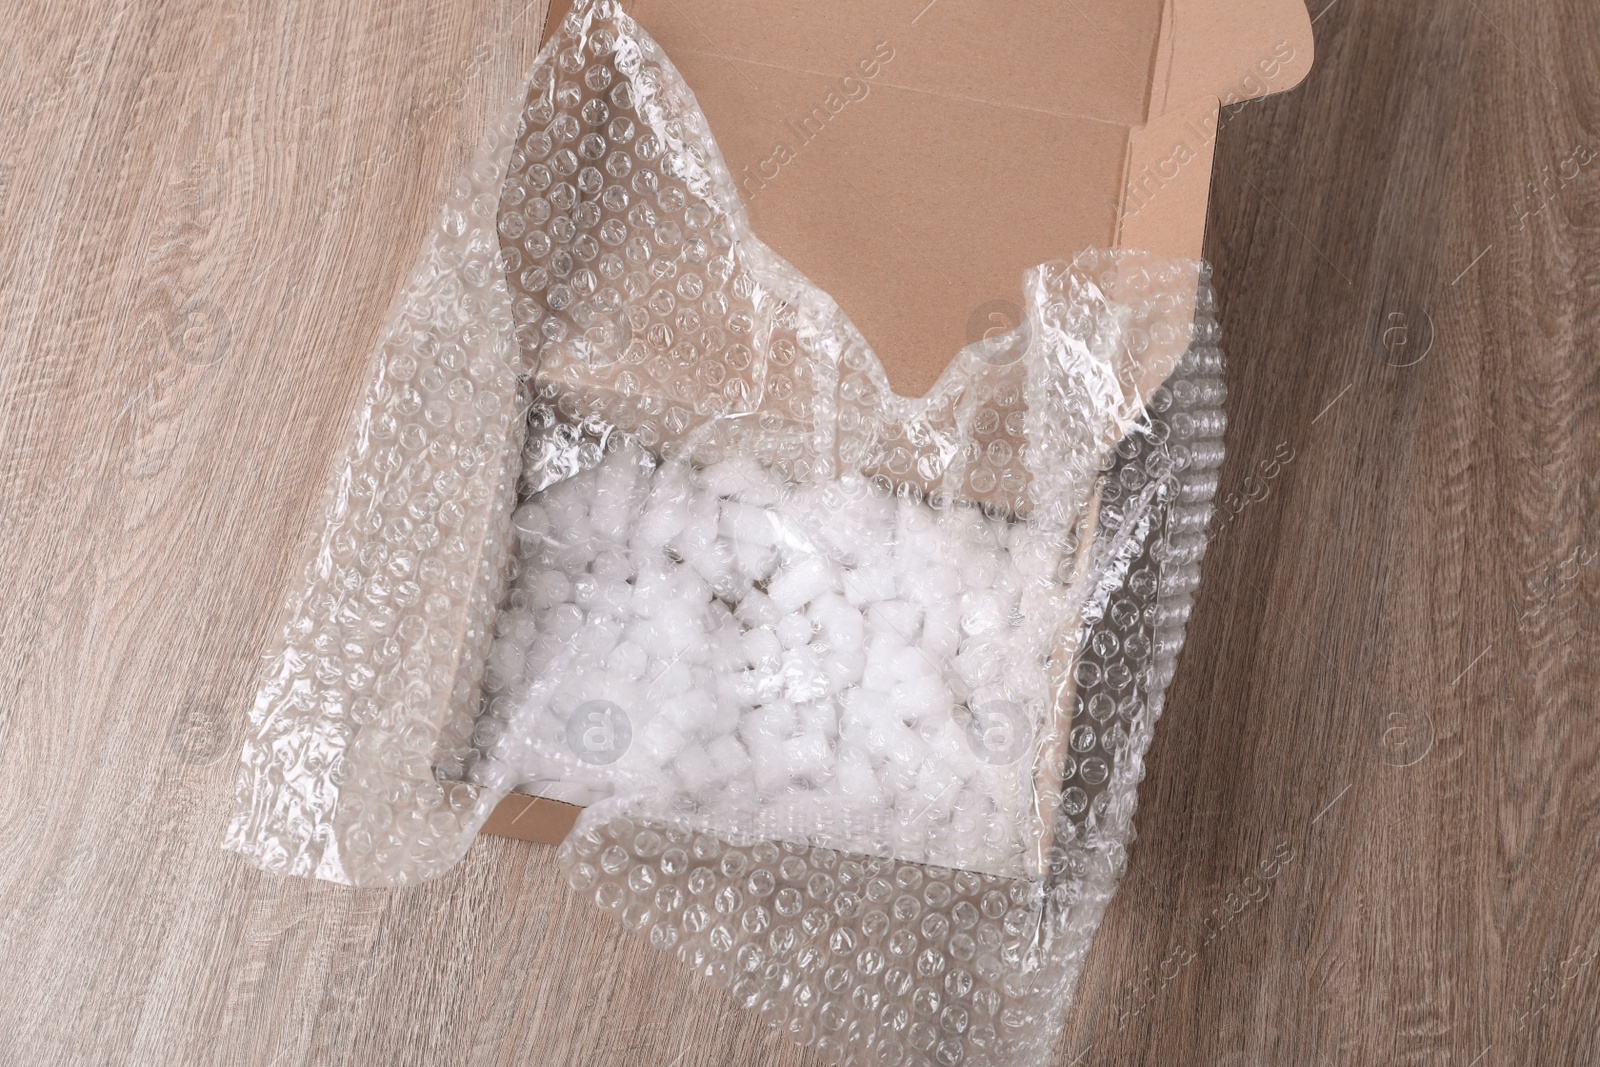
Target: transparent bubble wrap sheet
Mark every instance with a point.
(855, 687)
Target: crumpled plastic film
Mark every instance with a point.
(855, 687)
(877, 959)
(375, 683)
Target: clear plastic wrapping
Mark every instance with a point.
(855, 687)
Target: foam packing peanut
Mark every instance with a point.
(805, 658)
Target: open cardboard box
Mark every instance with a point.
(914, 158)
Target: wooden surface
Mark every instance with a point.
(1390, 674)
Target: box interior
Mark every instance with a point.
(914, 159)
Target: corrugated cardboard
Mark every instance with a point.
(915, 158)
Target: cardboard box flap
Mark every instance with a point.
(914, 159)
(1129, 61)
(1233, 50)
(1093, 61)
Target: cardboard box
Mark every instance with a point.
(915, 158)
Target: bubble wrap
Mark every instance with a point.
(855, 687)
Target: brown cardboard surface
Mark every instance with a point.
(531, 819)
(914, 159)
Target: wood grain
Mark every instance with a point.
(1390, 673)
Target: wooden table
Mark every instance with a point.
(1390, 676)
